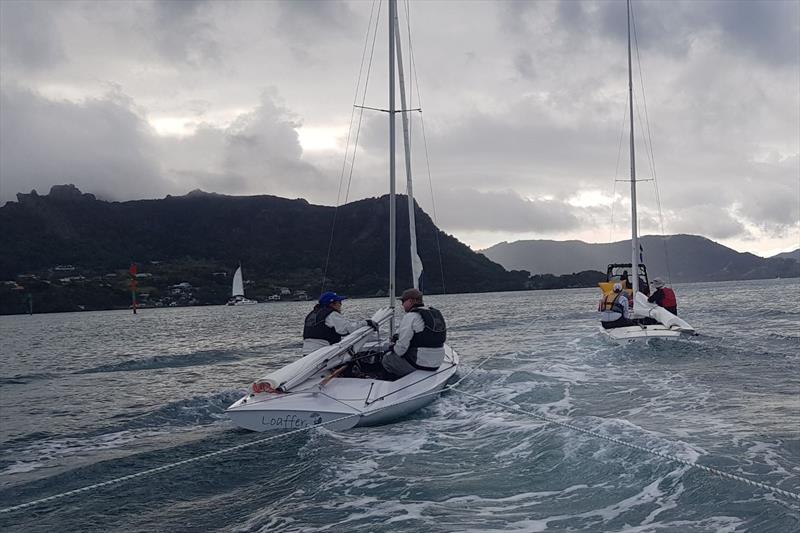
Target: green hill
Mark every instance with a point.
(280, 242)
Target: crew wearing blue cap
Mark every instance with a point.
(325, 325)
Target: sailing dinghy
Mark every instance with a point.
(317, 389)
(651, 321)
(237, 290)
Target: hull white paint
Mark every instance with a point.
(243, 301)
(358, 402)
(643, 333)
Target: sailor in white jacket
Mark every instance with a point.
(420, 338)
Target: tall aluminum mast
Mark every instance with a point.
(634, 224)
(392, 213)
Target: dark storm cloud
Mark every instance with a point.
(772, 35)
(309, 28)
(101, 145)
(528, 97)
(260, 151)
(513, 15)
(312, 21)
(774, 196)
(183, 33)
(104, 146)
(29, 36)
(717, 222)
(768, 31)
(523, 62)
(468, 209)
(660, 26)
(264, 145)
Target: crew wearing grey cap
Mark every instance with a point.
(664, 296)
(420, 338)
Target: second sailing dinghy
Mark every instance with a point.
(648, 321)
(316, 389)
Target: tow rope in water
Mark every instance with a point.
(707, 469)
(672, 458)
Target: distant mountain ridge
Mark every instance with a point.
(277, 239)
(690, 258)
(794, 254)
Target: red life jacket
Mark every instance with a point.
(669, 298)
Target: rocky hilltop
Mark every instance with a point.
(197, 238)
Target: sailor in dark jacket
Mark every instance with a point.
(420, 338)
(325, 325)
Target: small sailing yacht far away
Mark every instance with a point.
(237, 291)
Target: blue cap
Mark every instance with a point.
(329, 297)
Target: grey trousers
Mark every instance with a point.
(396, 365)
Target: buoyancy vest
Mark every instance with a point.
(433, 336)
(669, 299)
(315, 328)
(611, 303)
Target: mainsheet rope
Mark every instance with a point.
(510, 407)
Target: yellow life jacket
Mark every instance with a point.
(611, 303)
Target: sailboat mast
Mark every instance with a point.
(634, 224)
(416, 263)
(392, 213)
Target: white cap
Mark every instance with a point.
(617, 287)
(658, 283)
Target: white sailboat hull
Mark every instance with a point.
(670, 327)
(241, 301)
(643, 333)
(351, 401)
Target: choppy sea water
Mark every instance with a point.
(88, 397)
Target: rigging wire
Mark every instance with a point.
(415, 78)
(649, 150)
(361, 114)
(350, 130)
(616, 170)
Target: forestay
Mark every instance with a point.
(328, 357)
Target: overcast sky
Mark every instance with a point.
(524, 106)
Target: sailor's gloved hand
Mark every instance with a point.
(394, 338)
(374, 325)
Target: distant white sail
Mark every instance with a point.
(238, 285)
